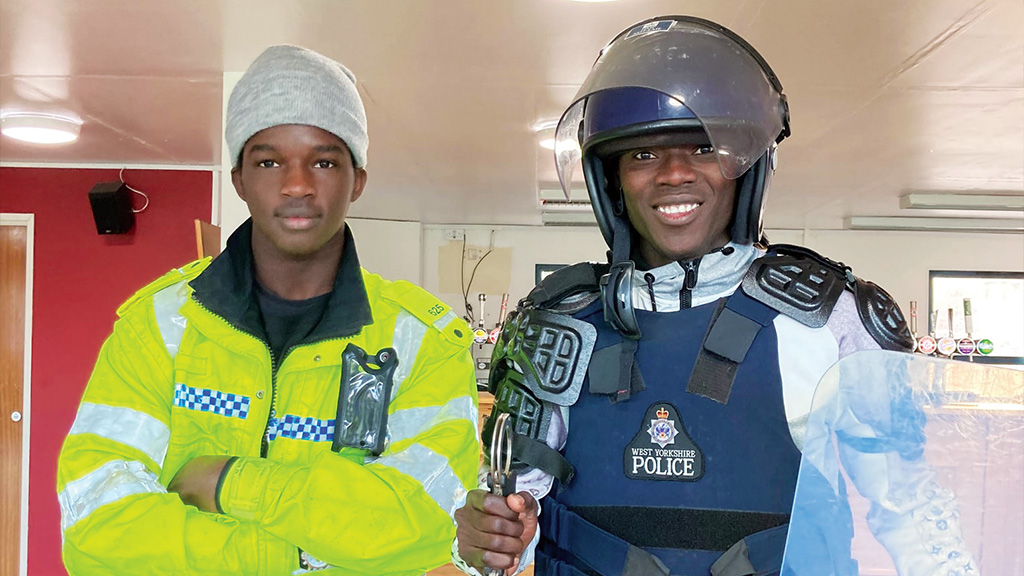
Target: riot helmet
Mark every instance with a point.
(674, 80)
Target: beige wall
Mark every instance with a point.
(530, 245)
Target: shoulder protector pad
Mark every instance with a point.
(568, 289)
(551, 350)
(882, 317)
(530, 419)
(797, 282)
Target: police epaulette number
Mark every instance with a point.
(429, 310)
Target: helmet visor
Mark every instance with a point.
(707, 71)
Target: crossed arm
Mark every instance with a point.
(124, 513)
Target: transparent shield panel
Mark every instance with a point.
(911, 465)
(567, 146)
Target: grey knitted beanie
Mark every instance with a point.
(293, 85)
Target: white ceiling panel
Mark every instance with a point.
(886, 97)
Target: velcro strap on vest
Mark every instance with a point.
(613, 371)
(601, 551)
(734, 326)
(714, 530)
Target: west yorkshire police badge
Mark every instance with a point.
(662, 450)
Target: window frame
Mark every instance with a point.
(540, 271)
(969, 274)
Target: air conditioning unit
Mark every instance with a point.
(568, 218)
(578, 198)
(555, 210)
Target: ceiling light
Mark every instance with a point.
(935, 224)
(954, 201)
(543, 125)
(40, 128)
(593, 0)
(546, 131)
(993, 406)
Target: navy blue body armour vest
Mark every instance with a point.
(680, 475)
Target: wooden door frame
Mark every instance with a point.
(27, 221)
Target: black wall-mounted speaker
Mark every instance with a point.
(112, 208)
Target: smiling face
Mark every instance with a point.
(298, 182)
(677, 200)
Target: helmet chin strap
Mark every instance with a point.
(621, 236)
(617, 302)
(617, 284)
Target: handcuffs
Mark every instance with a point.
(501, 479)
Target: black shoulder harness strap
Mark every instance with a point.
(801, 284)
(565, 282)
(789, 280)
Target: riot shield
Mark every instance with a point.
(911, 465)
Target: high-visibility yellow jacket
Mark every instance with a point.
(175, 381)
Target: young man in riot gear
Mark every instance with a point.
(659, 401)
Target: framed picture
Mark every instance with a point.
(542, 271)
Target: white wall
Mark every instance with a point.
(391, 249)
(897, 261)
(232, 211)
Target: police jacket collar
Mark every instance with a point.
(719, 273)
(227, 288)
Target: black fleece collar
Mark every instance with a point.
(227, 288)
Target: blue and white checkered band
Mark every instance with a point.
(203, 400)
(301, 428)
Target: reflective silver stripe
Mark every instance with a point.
(130, 427)
(432, 471)
(405, 424)
(409, 333)
(443, 321)
(107, 484)
(166, 306)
